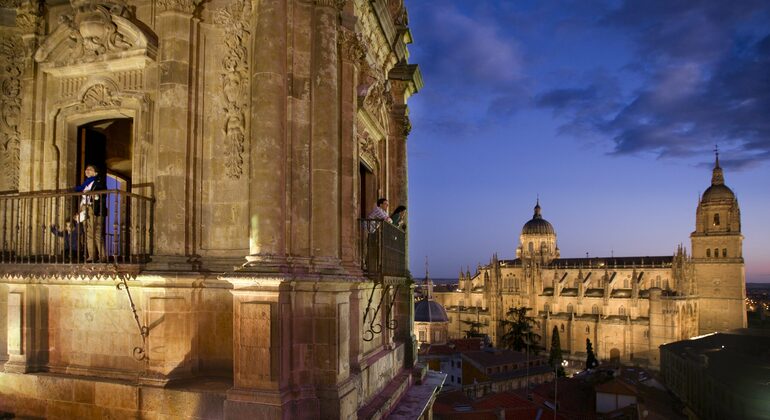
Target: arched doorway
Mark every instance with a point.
(614, 355)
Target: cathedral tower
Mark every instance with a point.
(717, 252)
(538, 239)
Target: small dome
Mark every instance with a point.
(538, 225)
(429, 311)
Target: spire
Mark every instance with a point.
(718, 177)
(428, 282)
(537, 209)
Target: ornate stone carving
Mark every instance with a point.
(337, 4)
(351, 46)
(99, 96)
(235, 81)
(186, 6)
(28, 16)
(367, 146)
(98, 31)
(379, 97)
(12, 54)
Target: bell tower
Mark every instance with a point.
(717, 252)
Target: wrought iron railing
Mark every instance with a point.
(74, 227)
(382, 247)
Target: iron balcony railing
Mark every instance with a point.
(73, 227)
(382, 249)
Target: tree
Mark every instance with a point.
(554, 356)
(591, 361)
(518, 334)
(473, 329)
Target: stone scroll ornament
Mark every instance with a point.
(11, 66)
(92, 31)
(235, 81)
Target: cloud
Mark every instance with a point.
(704, 71)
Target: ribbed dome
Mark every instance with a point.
(538, 225)
(429, 311)
(718, 193)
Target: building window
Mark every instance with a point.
(588, 330)
(621, 311)
(708, 252)
(724, 252)
(716, 219)
(716, 252)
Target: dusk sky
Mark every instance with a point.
(608, 110)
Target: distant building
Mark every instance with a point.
(491, 370)
(447, 358)
(430, 318)
(721, 375)
(626, 306)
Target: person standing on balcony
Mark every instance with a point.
(398, 217)
(380, 212)
(93, 208)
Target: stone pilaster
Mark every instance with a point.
(173, 209)
(351, 53)
(27, 328)
(325, 141)
(267, 183)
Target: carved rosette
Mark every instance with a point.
(235, 81)
(185, 6)
(12, 54)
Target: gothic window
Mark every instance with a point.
(588, 330)
(716, 252)
(621, 311)
(595, 309)
(716, 219)
(570, 309)
(724, 252)
(562, 328)
(708, 252)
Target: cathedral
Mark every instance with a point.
(214, 261)
(626, 306)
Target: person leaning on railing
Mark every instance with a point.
(91, 212)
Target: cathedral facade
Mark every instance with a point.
(626, 306)
(228, 273)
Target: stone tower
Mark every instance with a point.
(717, 253)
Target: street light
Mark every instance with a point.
(556, 387)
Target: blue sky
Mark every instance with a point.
(608, 110)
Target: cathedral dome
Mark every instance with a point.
(718, 191)
(429, 311)
(538, 225)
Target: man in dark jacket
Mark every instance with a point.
(93, 208)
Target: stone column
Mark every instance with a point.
(173, 212)
(325, 141)
(267, 183)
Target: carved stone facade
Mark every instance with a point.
(255, 135)
(626, 306)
